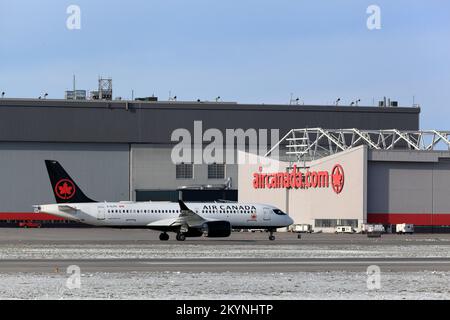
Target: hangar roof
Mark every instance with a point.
(314, 143)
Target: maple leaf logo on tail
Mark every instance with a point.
(337, 178)
(65, 189)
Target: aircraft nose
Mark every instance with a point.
(290, 220)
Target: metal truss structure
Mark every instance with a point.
(313, 143)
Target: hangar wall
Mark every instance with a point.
(275, 197)
(153, 169)
(306, 206)
(101, 170)
(414, 191)
(310, 205)
(153, 122)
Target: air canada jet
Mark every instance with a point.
(213, 220)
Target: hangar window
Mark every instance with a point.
(185, 171)
(216, 171)
(349, 222)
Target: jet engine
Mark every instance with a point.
(217, 229)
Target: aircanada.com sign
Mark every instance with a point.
(296, 179)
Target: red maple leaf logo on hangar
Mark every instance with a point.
(337, 178)
(65, 189)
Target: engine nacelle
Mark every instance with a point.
(193, 232)
(217, 229)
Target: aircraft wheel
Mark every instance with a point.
(271, 238)
(181, 237)
(163, 236)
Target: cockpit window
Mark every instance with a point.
(279, 212)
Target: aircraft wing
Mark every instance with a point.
(165, 223)
(186, 218)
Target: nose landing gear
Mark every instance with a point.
(271, 236)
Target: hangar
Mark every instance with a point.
(120, 150)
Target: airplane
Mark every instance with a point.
(210, 219)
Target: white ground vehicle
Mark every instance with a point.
(370, 227)
(302, 228)
(404, 228)
(344, 229)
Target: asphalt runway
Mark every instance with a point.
(90, 240)
(224, 265)
(141, 236)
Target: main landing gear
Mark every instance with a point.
(163, 236)
(271, 236)
(181, 236)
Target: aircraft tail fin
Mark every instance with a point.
(64, 187)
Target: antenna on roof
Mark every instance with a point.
(174, 98)
(3, 94)
(294, 101)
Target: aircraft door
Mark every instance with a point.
(101, 213)
(267, 214)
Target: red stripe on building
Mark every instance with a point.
(28, 216)
(419, 219)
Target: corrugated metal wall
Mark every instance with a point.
(101, 170)
(111, 122)
(414, 191)
(153, 169)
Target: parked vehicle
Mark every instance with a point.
(370, 228)
(344, 229)
(403, 228)
(302, 228)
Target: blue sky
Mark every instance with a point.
(250, 51)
